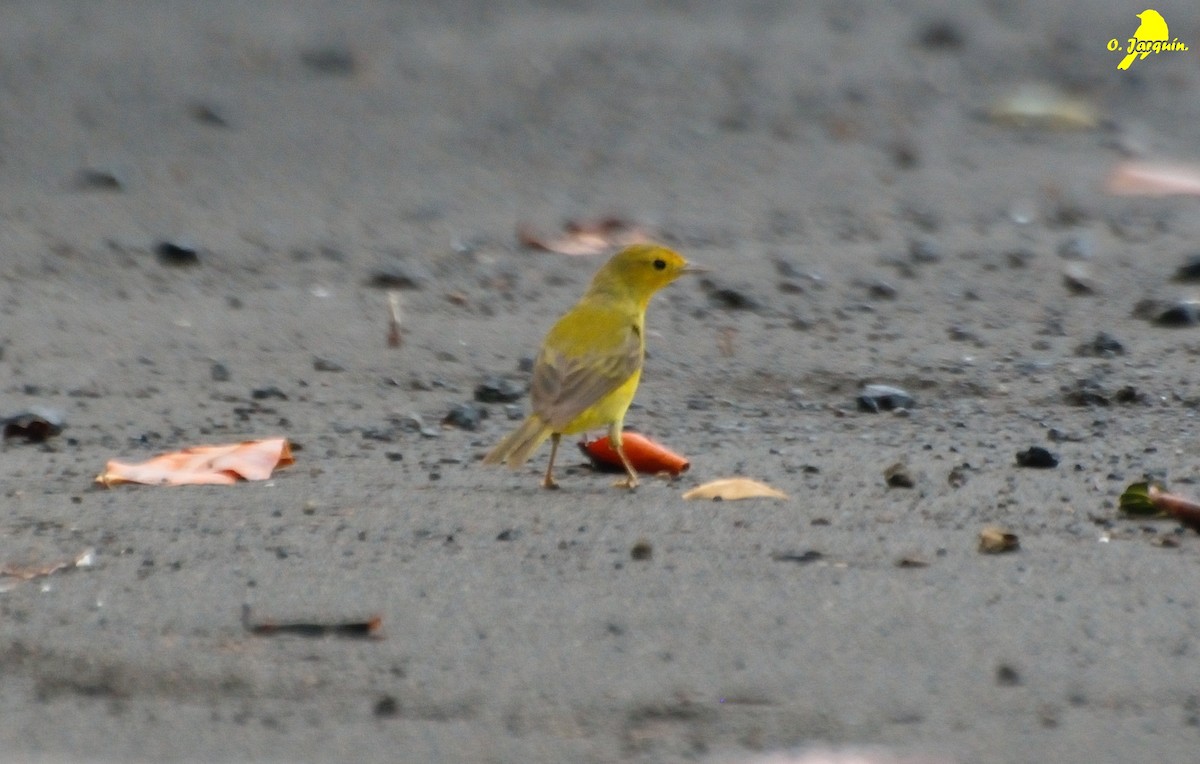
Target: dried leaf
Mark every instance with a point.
(204, 465)
(1135, 178)
(85, 559)
(734, 488)
(1039, 105)
(994, 540)
(586, 237)
(1135, 501)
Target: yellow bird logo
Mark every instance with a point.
(1152, 29)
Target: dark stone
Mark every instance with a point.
(498, 390)
(1103, 345)
(324, 364)
(207, 114)
(1007, 676)
(177, 253)
(1190, 270)
(398, 275)
(876, 398)
(800, 558)
(1182, 313)
(95, 179)
(924, 252)
(1037, 457)
(642, 550)
(329, 60)
(730, 298)
(465, 416)
(386, 707)
(35, 425)
(941, 35)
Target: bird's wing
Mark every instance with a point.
(567, 384)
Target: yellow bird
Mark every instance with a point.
(1153, 28)
(591, 360)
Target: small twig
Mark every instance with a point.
(394, 338)
(370, 628)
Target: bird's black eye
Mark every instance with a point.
(660, 264)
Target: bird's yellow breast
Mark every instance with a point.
(611, 408)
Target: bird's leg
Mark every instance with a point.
(548, 481)
(614, 438)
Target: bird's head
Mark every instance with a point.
(644, 269)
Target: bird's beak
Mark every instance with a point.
(694, 268)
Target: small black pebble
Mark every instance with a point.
(394, 456)
(881, 290)
(905, 155)
(1038, 457)
(1019, 258)
(207, 114)
(219, 372)
(1103, 345)
(1007, 676)
(1190, 270)
(642, 550)
(329, 60)
(508, 534)
(800, 558)
(729, 297)
(941, 35)
(262, 393)
(1129, 394)
(175, 253)
(386, 707)
(397, 275)
(383, 435)
(92, 179)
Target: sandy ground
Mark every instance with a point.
(866, 222)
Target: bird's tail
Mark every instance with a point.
(1125, 62)
(519, 445)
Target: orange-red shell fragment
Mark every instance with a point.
(645, 455)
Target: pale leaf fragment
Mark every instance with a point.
(734, 488)
(1141, 178)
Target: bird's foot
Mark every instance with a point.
(629, 482)
(550, 483)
